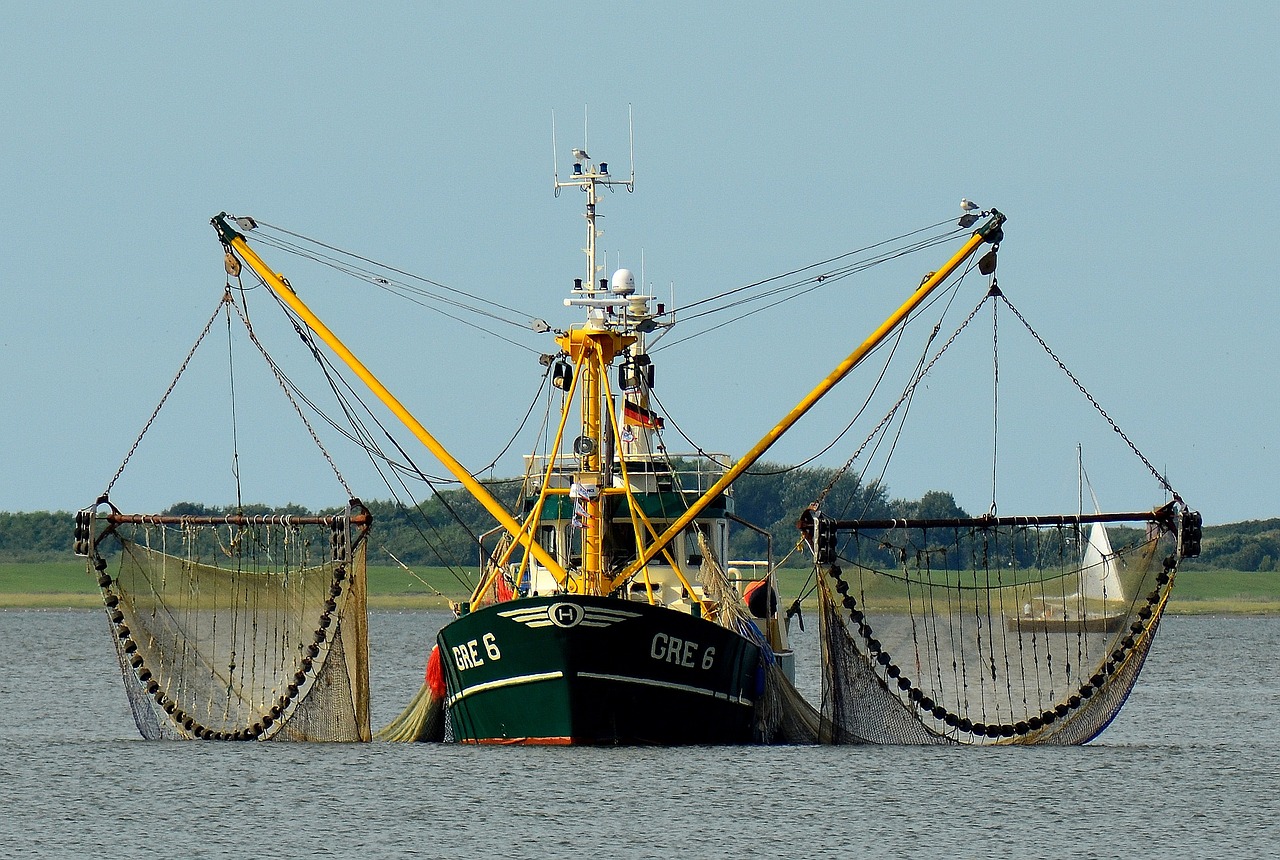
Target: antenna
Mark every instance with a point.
(591, 176)
(555, 159)
(631, 142)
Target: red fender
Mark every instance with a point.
(435, 673)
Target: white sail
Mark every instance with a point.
(1099, 578)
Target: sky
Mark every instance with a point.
(1131, 146)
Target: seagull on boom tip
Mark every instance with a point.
(967, 205)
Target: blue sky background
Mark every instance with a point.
(1133, 148)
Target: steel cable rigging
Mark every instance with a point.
(796, 289)
(360, 434)
(384, 277)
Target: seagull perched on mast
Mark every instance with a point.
(967, 205)
(581, 155)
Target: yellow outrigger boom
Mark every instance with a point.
(232, 240)
(990, 231)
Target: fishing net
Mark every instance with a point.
(425, 718)
(782, 714)
(239, 627)
(988, 634)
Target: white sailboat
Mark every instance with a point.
(1099, 577)
(1098, 603)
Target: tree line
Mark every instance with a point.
(442, 530)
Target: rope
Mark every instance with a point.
(361, 436)
(869, 497)
(884, 369)
(813, 284)
(390, 268)
(952, 291)
(364, 442)
(667, 419)
(403, 290)
(825, 277)
(537, 396)
(906, 395)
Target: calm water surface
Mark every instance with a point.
(1190, 768)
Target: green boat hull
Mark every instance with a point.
(570, 669)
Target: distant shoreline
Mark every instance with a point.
(68, 585)
(405, 603)
(431, 603)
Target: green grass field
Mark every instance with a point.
(59, 584)
(68, 584)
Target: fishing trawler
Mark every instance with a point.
(603, 616)
(609, 634)
(592, 622)
(604, 612)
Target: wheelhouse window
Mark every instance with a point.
(621, 546)
(548, 538)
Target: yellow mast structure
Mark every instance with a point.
(592, 347)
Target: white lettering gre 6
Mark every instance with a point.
(468, 656)
(491, 646)
(672, 649)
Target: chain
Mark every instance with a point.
(1114, 426)
(995, 391)
(1144, 621)
(996, 293)
(226, 299)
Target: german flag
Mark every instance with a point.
(637, 415)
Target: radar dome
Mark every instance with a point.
(624, 283)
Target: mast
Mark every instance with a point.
(592, 348)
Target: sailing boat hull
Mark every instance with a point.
(1092, 624)
(571, 669)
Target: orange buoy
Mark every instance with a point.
(435, 673)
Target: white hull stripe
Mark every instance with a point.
(668, 685)
(597, 676)
(505, 682)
